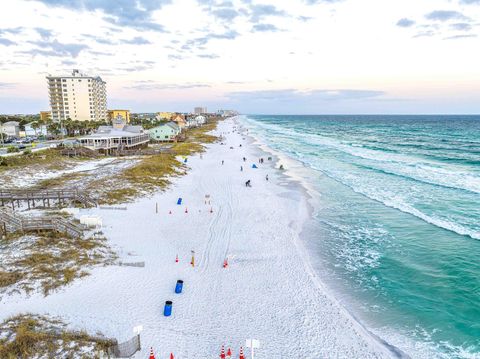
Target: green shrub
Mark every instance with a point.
(12, 149)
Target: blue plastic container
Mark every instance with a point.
(167, 311)
(179, 202)
(179, 286)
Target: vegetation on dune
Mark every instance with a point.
(27, 336)
(57, 182)
(153, 172)
(49, 261)
(50, 158)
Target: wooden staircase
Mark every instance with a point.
(11, 222)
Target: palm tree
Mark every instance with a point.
(54, 128)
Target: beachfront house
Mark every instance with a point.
(196, 121)
(119, 136)
(200, 120)
(11, 128)
(165, 132)
(165, 115)
(179, 119)
(32, 130)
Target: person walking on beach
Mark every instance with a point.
(241, 168)
(222, 162)
(247, 184)
(244, 159)
(266, 177)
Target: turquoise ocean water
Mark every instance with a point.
(396, 229)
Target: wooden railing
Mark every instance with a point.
(31, 196)
(11, 222)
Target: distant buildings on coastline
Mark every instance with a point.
(227, 113)
(79, 107)
(78, 97)
(200, 110)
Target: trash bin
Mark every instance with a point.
(179, 286)
(167, 311)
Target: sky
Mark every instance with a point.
(265, 57)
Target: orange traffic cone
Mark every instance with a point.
(151, 354)
(176, 259)
(171, 356)
(225, 263)
(222, 353)
(229, 353)
(241, 354)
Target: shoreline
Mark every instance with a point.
(266, 293)
(299, 184)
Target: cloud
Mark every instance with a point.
(427, 33)
(313, 2)
(45, 34)
(264, 28)
(258, 12)
(405, 22)
(151, 85)
(175, 57)
(297, 96)
(99, 40)
(305, 18)
(127, 13)
(55, 48)
(208, 56)
(200, 42)
(461, 26)
(445, 15)
(294, 101)
(136, 41)
(6, 42)
(135, 68)
(68, 62)
(457, 37)
(6, 85)
(14, 30)
(225, 13)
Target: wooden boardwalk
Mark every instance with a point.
(11, 222)
(45, 197)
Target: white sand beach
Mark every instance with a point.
(268, 291)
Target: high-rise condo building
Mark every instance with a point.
(199, 110)
(78, 97)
